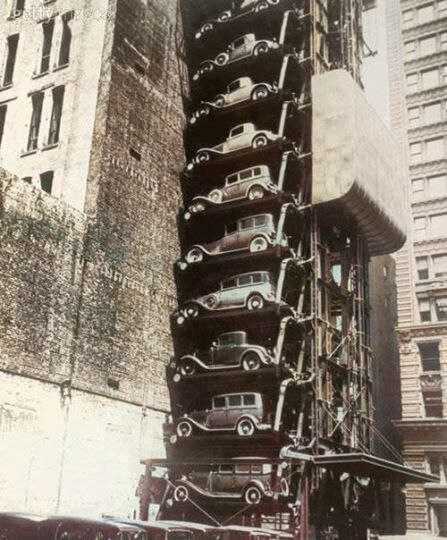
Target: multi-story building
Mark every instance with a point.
(91, 122)
(419, 112)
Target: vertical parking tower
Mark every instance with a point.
(270, 386)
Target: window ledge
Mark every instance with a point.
(38, 75)
(62, 66)
(49, 146)
(6, 87)
(29, 152)
(14, 16)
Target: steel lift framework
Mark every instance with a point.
(317, 388)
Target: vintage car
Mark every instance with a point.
(243, 413)
(240, 138)
(253, 233)
(243, 89)
(230, 351)
(242, 47)
(252, 291)
(251, 482)
(172, 530)
(246, 5)
(251, 184)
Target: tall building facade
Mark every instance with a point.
(418, 74)
(91, 138)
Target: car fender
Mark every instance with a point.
(264, 235)
(267, 187)
(202, 248)
(265, 358)
(248, 416)
(194, 359)
(211, 150)
(259, 485)
(269, 134)
(267, 85)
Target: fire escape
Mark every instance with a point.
(270, 386)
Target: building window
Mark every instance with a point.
(46, 181)
(420, 228)
(435, 149)
(414, 117)
(441, 309)
(429, 354)
(12, 44)
(17, 8)
(438, 225)
(408, 16)
(64, 53)
(433, 403)
(422, 267)
(36, 116)
(416, 152)
(430, 78)
(3, 109)
(410, 49)
(48, 31)
(427, 46)
(56, 115)
(432, 113)
(438, 186)
(418, 186)
(426, 13)
(440, 265)
(412, 82)
(425, 310)
(442, 6)
(443, 40)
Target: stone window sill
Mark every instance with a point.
(5, 87)
(39, 75)
(50, 146)
(29, 152)
(62, 66)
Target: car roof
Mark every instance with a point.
(92, 521)
(247, 274)
(192, 525)
(238, 394)
(144, 524)
(232, 333)
(247, 169)
(23, 516)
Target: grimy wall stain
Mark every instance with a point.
(85, 298)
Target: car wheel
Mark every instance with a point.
(258, 244)
(245, 427)
(211, 302)
(194, 255)
(222, 59)
(187, 368)
(261, 92)
(252, 495)
(251, 362)
(261, 48)
(255, 302)
(207, 67)
(184, 429)
(192, 310)
(219, 101)
(216, 196)
(260, 141)
(207, 27)
(204, 110)
(203, 156)
(256, 192)
(224, 16)
(181, 494)
(261, 6)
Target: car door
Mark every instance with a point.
(225, 350)
(236, 139)
(217, 417)
(223, 480)
(228, 293)
(231, 189)
(234, 409)
(231, 239)
(243, 290)
(236, 91)
(245, 232)
(239, 48)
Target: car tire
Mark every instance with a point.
(261, 6)
(255, 302)
(204, 110)
(187, 368)
(258, 244)
(215, 196)
(261, 92)
(195, 255)
(222, 59)
(219, 102)
(192, 310)
(251, 361)
(255, 192)
(203, 156)
(252, 495)
(245, 427)
(206, 67)
(260, 49)
(184, 429)
(224, 16)
(260, 141)
(181, 494)
(211, 302)
(207, 27)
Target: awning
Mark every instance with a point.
(375, 467)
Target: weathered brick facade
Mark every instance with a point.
(85, 297)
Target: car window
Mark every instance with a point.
(244, 280)
(246, 224)
(258, 278)
(249, 399)
(224, 341)
(234, 86)
(239, 42)
(246, 174)
(219, 403)
(235, 401)
(257, 171)
(266, 468)
(232, 179)
(237, 131)
(226, 469)
(231, 228)
(242, 469)
(229, 283)
(256, 469)
(260, 220)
